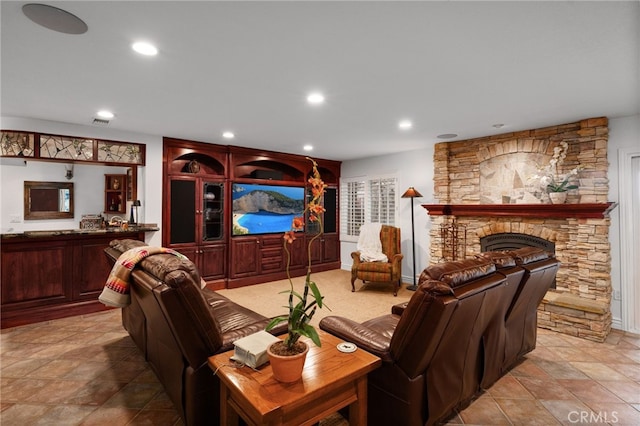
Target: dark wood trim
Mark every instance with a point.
(563, 211)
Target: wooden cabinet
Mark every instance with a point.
(54, 276)
(195, 214)
(198, 189)
(245, 253)
(115, 194)
(325, 249)
(262, 258)
(196, 223)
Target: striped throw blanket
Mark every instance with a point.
(116, 290)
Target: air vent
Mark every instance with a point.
(100, 122)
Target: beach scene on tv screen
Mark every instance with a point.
(265, 209)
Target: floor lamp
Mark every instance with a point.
(412, 193)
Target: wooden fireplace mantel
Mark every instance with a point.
(564, 211)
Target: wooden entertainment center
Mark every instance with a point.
(198, 220)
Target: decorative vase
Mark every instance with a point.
(287, 368)
(558, 197)
(194, 166)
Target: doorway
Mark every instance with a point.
(629, 167)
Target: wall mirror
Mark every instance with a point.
(48, 200)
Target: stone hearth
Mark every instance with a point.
(580, 303)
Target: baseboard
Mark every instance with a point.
(617, 324)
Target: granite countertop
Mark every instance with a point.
(107, 230)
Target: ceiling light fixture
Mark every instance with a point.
(315, 98)
(144, 48)
(308, 147)
(228, 135)
(105, 114)
(498, 126)
(447, 136)
(54, 19)
(405, 125)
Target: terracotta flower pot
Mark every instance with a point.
(287, 369)
(558, 197)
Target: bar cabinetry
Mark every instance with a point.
(54, 275)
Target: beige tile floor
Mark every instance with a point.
(85, 370)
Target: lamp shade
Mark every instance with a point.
(411, 193)
(136, 203)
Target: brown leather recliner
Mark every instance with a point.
(521, 322)
(177, 325)
(457, 334)
(430, 352)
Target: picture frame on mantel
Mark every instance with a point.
(132, 183)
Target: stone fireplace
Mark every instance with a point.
(470, 196)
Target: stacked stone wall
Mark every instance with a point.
(580, 304)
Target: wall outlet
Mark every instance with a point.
(15, 218)
(617, 295)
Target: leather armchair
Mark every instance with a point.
(390, 271)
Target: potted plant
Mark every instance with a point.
(301, 307)
(558, 191)
(555, 184)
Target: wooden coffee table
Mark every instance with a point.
(330, 381)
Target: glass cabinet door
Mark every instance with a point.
(183, 211)
(329, 220)
(212, 219)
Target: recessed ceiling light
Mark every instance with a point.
(405, 124)
(55, 19)
(308, 148)
(228, 135)
(498, 126)
(105, 114)
(315, 98)
(447, 136)
(144, 48)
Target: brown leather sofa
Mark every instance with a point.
(458, 333)
(177, 326)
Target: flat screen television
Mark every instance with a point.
(265, 208)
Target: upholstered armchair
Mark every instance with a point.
(389, 271)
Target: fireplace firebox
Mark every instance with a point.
(513, 240)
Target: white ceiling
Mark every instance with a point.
(451, 67)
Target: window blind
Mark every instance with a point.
(368, 199)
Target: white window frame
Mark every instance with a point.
(351, 219)
(352, 190)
